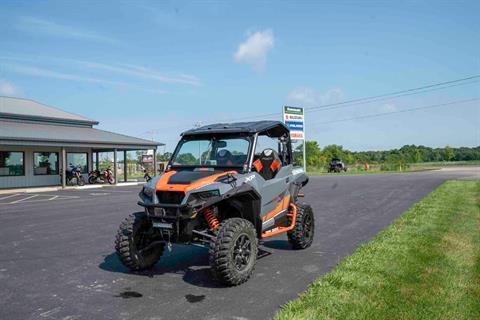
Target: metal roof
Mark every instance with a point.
(24, 133)
(275, 127)
(26, 109)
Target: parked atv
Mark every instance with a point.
(336, 165)
(222, 191)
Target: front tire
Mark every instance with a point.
(301, 236)
(233, 252)
(80, 181)
(132, 238)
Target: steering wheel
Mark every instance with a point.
(224, 156)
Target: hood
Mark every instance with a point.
(184, 181)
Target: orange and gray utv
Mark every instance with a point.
(227, 186)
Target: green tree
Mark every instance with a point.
(334, 151)
(449, 153)
(298, 155)
(313, 154)
(164, 157)
(187, 159)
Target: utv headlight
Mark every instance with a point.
(205, 195)
(148, 192)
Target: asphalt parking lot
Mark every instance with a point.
(57, 258)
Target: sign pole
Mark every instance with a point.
(304, 149)
(294, 119)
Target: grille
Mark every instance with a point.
(170, 197)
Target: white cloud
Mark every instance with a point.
(145, 73)
(389, 107)
(8, 89)
(125, 69)
(50, 28)
(309, 97)
(253, 51)
(41, 72)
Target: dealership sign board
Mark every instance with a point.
(294, 119)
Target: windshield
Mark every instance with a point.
(223, 152)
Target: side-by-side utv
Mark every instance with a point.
(227, 186)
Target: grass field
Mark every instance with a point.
(374, 171)
(446, 163)
(411, 167)
(426, 265)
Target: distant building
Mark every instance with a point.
(38, 142)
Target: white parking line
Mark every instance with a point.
(36, 198)
(21, 200)
(121, 191)
(10, 196)
(32, 201)
(59, 196)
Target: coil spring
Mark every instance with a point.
(212, 220)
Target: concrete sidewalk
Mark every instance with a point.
(57, 188)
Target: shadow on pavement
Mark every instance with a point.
(190, 261)
(277, 244)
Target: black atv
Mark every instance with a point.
(221, 189)
(336, 165)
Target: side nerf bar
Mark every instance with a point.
(278, 230)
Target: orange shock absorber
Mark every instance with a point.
(212, 220)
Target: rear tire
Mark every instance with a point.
(92, 179)
(301, 236)
(111, 180)
(130, 240)
(233, 252)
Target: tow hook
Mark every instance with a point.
(169, 243)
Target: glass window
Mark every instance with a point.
(11, 163)
(45, 163)
(212, 152)
(265, 142)
(78, 160)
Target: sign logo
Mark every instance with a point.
(294, 119)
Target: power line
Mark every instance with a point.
(368, 99)
(395, 112)
(393, 97)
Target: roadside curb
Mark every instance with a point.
(51, 189)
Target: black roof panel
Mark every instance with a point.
(275, 128)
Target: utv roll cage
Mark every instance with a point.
(251, 130)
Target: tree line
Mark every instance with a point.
(318, 157)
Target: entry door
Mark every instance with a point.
(275, 194)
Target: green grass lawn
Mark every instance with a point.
(375, 171)
(446, 163)
(426, 265)
(411, 167)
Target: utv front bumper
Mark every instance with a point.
(167, 210)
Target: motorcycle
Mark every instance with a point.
(96, 176)
(74, 174)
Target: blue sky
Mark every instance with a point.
(153, 69)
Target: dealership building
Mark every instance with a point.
(38, 142)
